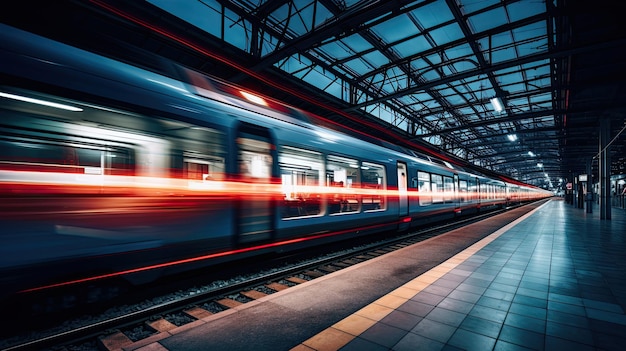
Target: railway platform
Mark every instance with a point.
(553, 279)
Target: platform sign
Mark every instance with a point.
(582, 177)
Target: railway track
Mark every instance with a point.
(196, 303)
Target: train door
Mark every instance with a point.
(477, 195)
(403, 205)
(255, 164)
(456, 198)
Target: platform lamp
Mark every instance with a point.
(497, 104)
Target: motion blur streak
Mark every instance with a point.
(205, 257)
(57, 182)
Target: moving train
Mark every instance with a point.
(113, 171)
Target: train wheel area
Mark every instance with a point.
(549, 279)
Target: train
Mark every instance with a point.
(111, 170)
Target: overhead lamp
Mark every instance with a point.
(497, 104)
(253, 98)
(539, 164)
(531, 154)
(512, 137)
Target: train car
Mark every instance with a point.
(111, 171)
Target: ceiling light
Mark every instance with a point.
(254, 98)
(497, 104)
(539, 164)
(512, 137)
(531, 154)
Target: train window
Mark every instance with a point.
(463, 191)
(31, 154)
(301, 174)
(118, 161)
(437, 188)
(202, 167)
(374, 180)
(423, 187)
(448, 189)
(342, 173)
(195, 169)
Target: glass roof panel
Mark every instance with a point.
(531, 31)
(358, 66)
(204, 15)
(510, 78)
(541, 98)
(464, 65)
(488, 20)
(446, 34)
(433, 14)
(523, 9)
(300, 17)
(455, 99)
(515, 88)
(470, 6)
(413, 46)
(395, 29)
(356, 43)
(463, 50)
(429, 74)
(336, 49)
(375, 59)
(295, 65)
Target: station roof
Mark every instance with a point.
(426, 72)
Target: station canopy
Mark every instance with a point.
(517, 87)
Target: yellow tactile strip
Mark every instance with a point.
(344, 331)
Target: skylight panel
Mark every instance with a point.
(430, 74)
(301, 17)
(294, 64)
(433, 14)
(510, 78)
(205, 15)
(336, 49)
(358, 66)
(534, 47)
(519, 104)
(318, 79)
(446, 34)
(413, 46)
(531, 31)
(356, 43)
(541, 98)
(237, 31)
(465, 65)
(395, 29)
(515, 88)
(524, 9)
(376, 58)
(463, 50)
(455, 100)
(488, 20)
(502, 54)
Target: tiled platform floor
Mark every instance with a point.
(555, 280)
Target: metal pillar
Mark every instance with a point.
(589, 194)
(604, 166)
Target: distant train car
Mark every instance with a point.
(113, 171)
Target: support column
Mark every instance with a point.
(589, 194)
(604, 166)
